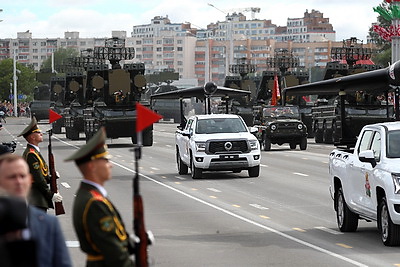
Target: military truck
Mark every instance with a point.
(57, 96)
(111, 94)
(280, 125)
(41, 104)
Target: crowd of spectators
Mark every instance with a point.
(7, 110)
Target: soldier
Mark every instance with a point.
(40, 195)
(98, 225)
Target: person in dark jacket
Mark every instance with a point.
(98, 224)
(42, 229)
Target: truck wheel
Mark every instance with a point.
(303, 143)
(74, 134)
(67, 133)
(254, 171)
(267, 144)
(318, 136)
(148, 137)
(327, 136)
(182, 167)
(292, 145)
(390, 232)
(346, 219)
(57, 127)
(196, 172)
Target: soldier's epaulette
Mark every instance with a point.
(32, 150)
(96, 195)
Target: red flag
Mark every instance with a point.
(145, 117)
(276, 94)
(53, 116)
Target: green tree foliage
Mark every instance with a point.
(25, 83)
(384, 54)
(60, 58)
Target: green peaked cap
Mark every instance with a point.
(31, 128)
(94, 149)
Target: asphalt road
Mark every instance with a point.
(285, 217)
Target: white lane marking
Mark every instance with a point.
(154, 168)
(118, 156)
(66, 185)
(333, 232)
(72, 244)
(214, 190)
(180, 178)
(257, 206)
(300, 174)
(263, 165)
(168, 145)
(284, 235)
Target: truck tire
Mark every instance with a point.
(196, 172)
(292, 145)
(327, 136)
(148, 137)
(182, 167)
(254, 171)
(57, 127)
(266, 143)
(303, 143)
(73, 134)
(390, 232)
(346, 219)
(318, 136)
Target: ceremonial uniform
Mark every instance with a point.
(98, 224)
(40, 195)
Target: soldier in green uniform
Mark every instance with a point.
(40, 195)
(98, 225)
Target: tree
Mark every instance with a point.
(60, 58)
(25, 83)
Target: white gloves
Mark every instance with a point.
(57, 197)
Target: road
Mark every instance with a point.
(285, 217)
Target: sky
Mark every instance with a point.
(98, 18)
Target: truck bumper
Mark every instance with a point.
(226, 162)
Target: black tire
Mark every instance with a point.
(254, 171)
(182, 167)
(318, 136)
(303, 143)
(88, 135)
(346, 219)
(57, 127)
(327, 136)
(266, 143)
(148, 137)
(196, 172)
(390, 232)
(335, 133)
(74, 134)
(292, 145)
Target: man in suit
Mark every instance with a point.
(43, 229)
(98, 224)
(40, 195)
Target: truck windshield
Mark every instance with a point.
(220, 125)
(393, 144)
(281, 112)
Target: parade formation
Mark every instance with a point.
(91, 164)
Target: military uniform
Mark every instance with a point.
(40, 195)
(98, 224)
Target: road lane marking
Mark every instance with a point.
(236, 206)
(257, 206)
(164, 177)
(237, 216)
(180, 178)
(194, 189)
(299, 230)
(343, 245)
(334, 232)
(72, 244)
(263, 165)
(214, 190)
(168, 145)
(264, 217)
(154, 168)
(66, 185)
(300, 174)
(213, 197)
(177, 182)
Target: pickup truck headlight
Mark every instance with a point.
(253, 144)
(200, 146)
(396, 182)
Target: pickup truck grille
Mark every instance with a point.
(216, 147)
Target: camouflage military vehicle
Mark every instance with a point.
(111, 94)
(279, 125)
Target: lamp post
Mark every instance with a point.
(15, 83)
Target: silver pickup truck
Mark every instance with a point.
(365, 182)
(217, 142)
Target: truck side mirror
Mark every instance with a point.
(367, 156)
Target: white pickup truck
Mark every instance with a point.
(216, 142)
(365, 182)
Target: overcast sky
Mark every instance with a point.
(97, 18)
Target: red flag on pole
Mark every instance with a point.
(276, 94)
(145, 117)
(53, 116)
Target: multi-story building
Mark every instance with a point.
(203, 54)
